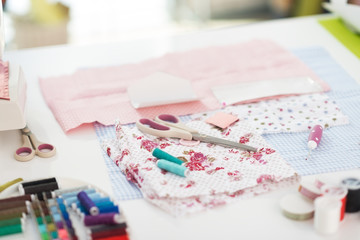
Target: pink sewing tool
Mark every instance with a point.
(314, 138)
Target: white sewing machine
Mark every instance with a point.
(12, 111)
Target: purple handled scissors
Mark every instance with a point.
(166, 125)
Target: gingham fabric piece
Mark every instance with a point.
(339, 148)
(345, 93)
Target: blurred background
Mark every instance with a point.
(36, 23)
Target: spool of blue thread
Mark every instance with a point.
(73, 194)
(96, 201)
(164, 155)
(88, 204)
(173, 168)
(69, 201)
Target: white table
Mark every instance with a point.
(79, 155)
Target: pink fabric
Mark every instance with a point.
(99, 94)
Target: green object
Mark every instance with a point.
(339, 30)
(12, 229)
(164, 155)
(172, 167)
(45, 236)
(12, 221)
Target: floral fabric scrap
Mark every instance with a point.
(218, 175)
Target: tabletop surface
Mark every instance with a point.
(79, 154)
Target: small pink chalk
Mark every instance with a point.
(222, 120)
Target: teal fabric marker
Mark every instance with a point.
(173, 167)
(165, 156)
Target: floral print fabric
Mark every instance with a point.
(218, 175)
(287, 114)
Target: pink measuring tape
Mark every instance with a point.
(314, 138)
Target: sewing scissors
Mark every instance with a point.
(166, 125)
(31, 147)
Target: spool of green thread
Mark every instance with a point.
(172, 167)
(12, 229)
(11, 221)
(164, 155)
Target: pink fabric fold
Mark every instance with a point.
(99, 94)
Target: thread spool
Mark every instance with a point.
(74, 193)
(11, 221)
(353, 196)
(164, 155)
(26, 197)
(327, 214)
(37, 182)
(97, 203)
(309, 190)
(12, 229)
(297, 207)
(102, 210)
(13, 204)
(108, 231)
(70, 200)
(106, 218)
(60, 192)
(38, 188)
(88, 204)
(173, 168)
(95, 200)
(101, 228)
(337, 192)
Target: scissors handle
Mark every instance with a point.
(43, 150)
(148, 126)
(173, 121)
(25, 152)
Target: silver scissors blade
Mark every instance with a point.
(222, 142)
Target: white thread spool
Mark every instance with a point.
(327, 215)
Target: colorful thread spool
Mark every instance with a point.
(173, 168)
(38, 182)
(103, 231)
(309, 190)
(75, 193)
(39, 188)
(26, 197)
(164, 155)
(88, 204)
(102, 209)
(11, 221)
(60, 192)
(97, 201)
(297, 207)
(353, 196)
(327, 214)
(12, 229)
(13, 204)
(337, 192)
(69, 201)
(106, 218)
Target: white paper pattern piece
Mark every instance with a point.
(288, 114)
(159, 89)
(258, 90)
(217, 176)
